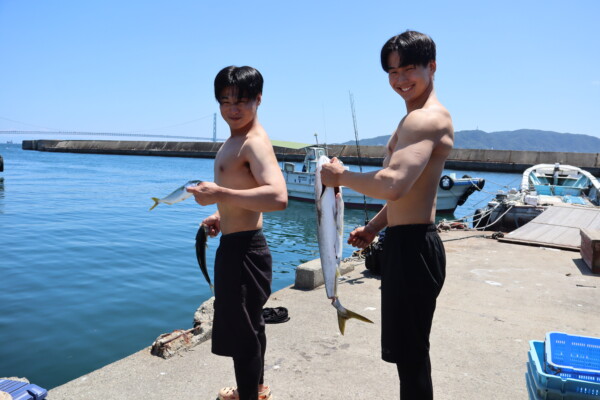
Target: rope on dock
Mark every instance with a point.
(445, 224)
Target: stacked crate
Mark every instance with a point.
(564, 367)
(22, 390)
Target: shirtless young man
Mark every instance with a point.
(248, 182)
(414, 268)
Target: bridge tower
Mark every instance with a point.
(214, 127)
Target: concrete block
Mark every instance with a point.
(310, 275)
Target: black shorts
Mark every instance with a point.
(412, 277)
(243, 273)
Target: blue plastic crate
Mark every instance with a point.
(531, 388)
(22, 390)
(551, 387)
(570, 356)
(538, 391)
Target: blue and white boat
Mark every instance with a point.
(542, 186)
(452, 191)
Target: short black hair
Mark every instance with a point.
(247, 80)
(414, 48)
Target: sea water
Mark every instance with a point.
(89, 275)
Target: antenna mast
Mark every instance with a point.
(358, 152)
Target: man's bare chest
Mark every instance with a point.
(233, 172)
(389, 149)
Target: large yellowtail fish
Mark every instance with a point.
(330, 231)
(179, 194)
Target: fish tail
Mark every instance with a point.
(346, 315)
(156, 202)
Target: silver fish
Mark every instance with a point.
(330, 230)
(176, 196)
(201, 245)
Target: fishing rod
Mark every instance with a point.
(358, 152)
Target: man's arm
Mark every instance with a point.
(379, 221)
(363, 235)
(409, 158)
(269, 195)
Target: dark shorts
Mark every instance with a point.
(412, 277)
(243, 274)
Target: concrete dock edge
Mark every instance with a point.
(496, 298)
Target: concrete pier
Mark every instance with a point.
(459, 159)
(497, 297)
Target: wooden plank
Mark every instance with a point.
(558, 226)
(580, 219)
(596, 220)
(559, 235)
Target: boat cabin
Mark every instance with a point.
(310, 160)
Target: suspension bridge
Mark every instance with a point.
(59, 134)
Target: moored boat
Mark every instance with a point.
(452, 191)
(542, 186)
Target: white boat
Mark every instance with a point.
(542, 186)
(452, 191)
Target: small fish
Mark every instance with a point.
(201, 245)
(330, 230)
(178, 195)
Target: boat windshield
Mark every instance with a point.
(312, 155)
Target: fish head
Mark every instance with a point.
(191, 183)
(319, 187)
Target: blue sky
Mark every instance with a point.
(147, 67)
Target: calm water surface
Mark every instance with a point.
(88, 275)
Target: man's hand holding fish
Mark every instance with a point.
(205, 193)
(332, 172)
(213, 224)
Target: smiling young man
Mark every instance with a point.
(248, 182)
(414, 258)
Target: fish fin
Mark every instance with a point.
(352, 314)
(346, 315)
(156, 202)
(342, 323)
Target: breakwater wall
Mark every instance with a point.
(459, 159)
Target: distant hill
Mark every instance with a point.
(522, 139)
